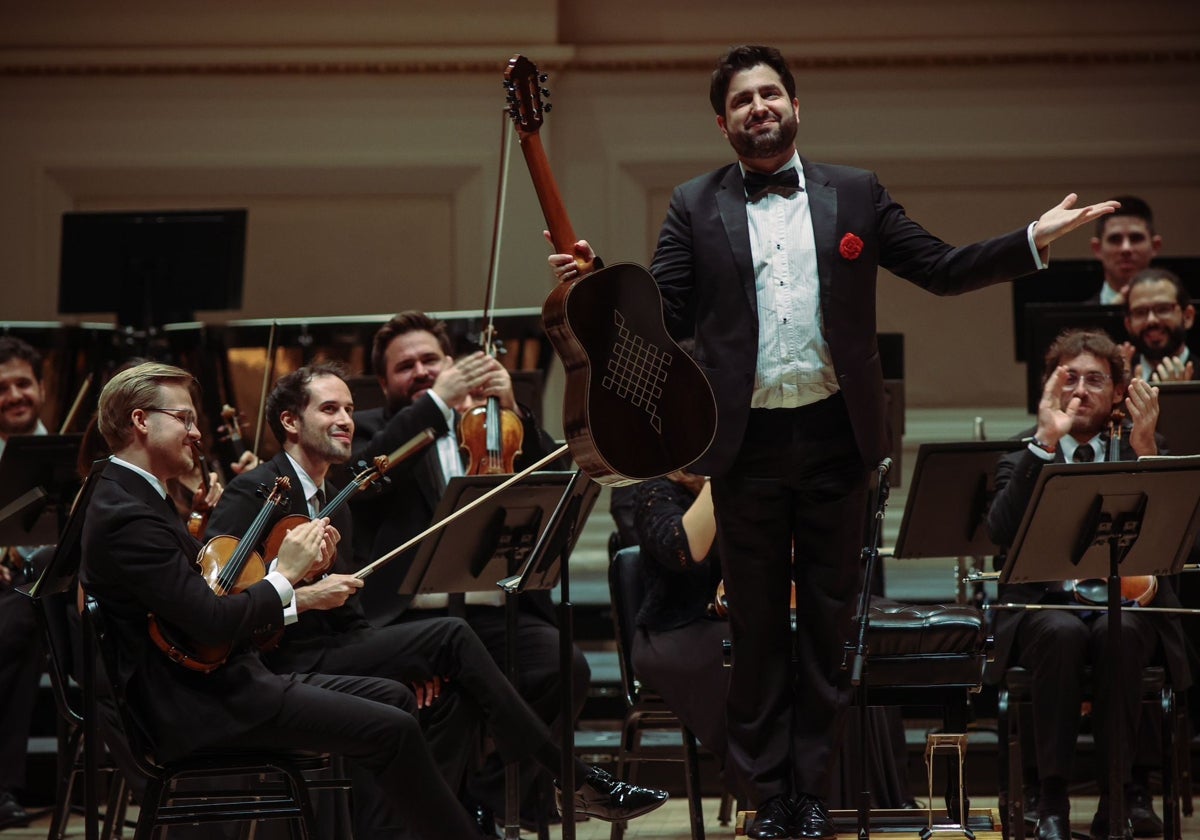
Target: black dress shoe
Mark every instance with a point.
(814, 822)
(11, 812)
(775, 818)
(1054, 827)
(1139, 807)
(605, 798)
(1099, 830)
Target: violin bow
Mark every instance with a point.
(268, 369)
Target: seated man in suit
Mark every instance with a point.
(1085, 380)
(1158, 315)
(21, 400)
(311, 413)
(425, 386)
(137, 558)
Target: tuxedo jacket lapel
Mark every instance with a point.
(731, 204)
(823, 207)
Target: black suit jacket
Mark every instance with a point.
(233, 514)
(1016, 475)
(705, 273)
(138, 558)
(403, 507)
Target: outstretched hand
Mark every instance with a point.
(1065, 217)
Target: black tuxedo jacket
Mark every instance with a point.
(704, 270)
(233, 514)
(1016, 475)
(403, 507)
(138, 558)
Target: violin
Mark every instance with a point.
(231, 432)
(228, 565)
(491, 436)
(1137, 590)
(378, 468)
(197, 519)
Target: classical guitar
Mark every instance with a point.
(636, 406)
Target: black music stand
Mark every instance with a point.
(1179, 415)
(1102, 521)
(951, 486)
(529, 528)
(37, 482)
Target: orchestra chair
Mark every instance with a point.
(925, 655)
(280, 790)
(53, 595)
(1016, 692)
(53, 618)
(645, 710)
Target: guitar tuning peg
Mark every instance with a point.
(547, 107)
(546, 92)
(542, 77)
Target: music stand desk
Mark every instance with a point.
(944, 513)
(37, 483)
(1101, 520)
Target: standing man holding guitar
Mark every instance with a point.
(770, 263)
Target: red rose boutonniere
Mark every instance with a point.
(850, 247)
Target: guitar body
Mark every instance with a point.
(636, 407)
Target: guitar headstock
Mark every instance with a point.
(524, 85)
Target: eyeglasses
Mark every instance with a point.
(184, 415)
(1160, 310)
(1092, 380)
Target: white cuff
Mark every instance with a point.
(1037, 258)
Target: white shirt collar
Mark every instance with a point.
(794, 162)
(306, 483)
(158, 486)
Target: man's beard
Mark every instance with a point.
(768, 145)
(1176, 336)
(8, 429)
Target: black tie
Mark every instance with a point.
(319, 500)
(756, 182)
(1084, 454)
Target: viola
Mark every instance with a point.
(228, 565)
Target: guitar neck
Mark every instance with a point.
(562, 234)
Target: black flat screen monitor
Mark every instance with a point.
(152, 267)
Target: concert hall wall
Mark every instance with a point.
(364, 137)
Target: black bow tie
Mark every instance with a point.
(756, 182)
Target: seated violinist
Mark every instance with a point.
(1085, 381)
(311, 412)
(137, 559)
(425, 386)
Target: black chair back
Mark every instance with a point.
(627, 588)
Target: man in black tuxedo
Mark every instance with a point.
(21, 656)
(1085, 379)
(138, 559)
(1158, 315)
(771, 263)
(311, 413)
(426, 387)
